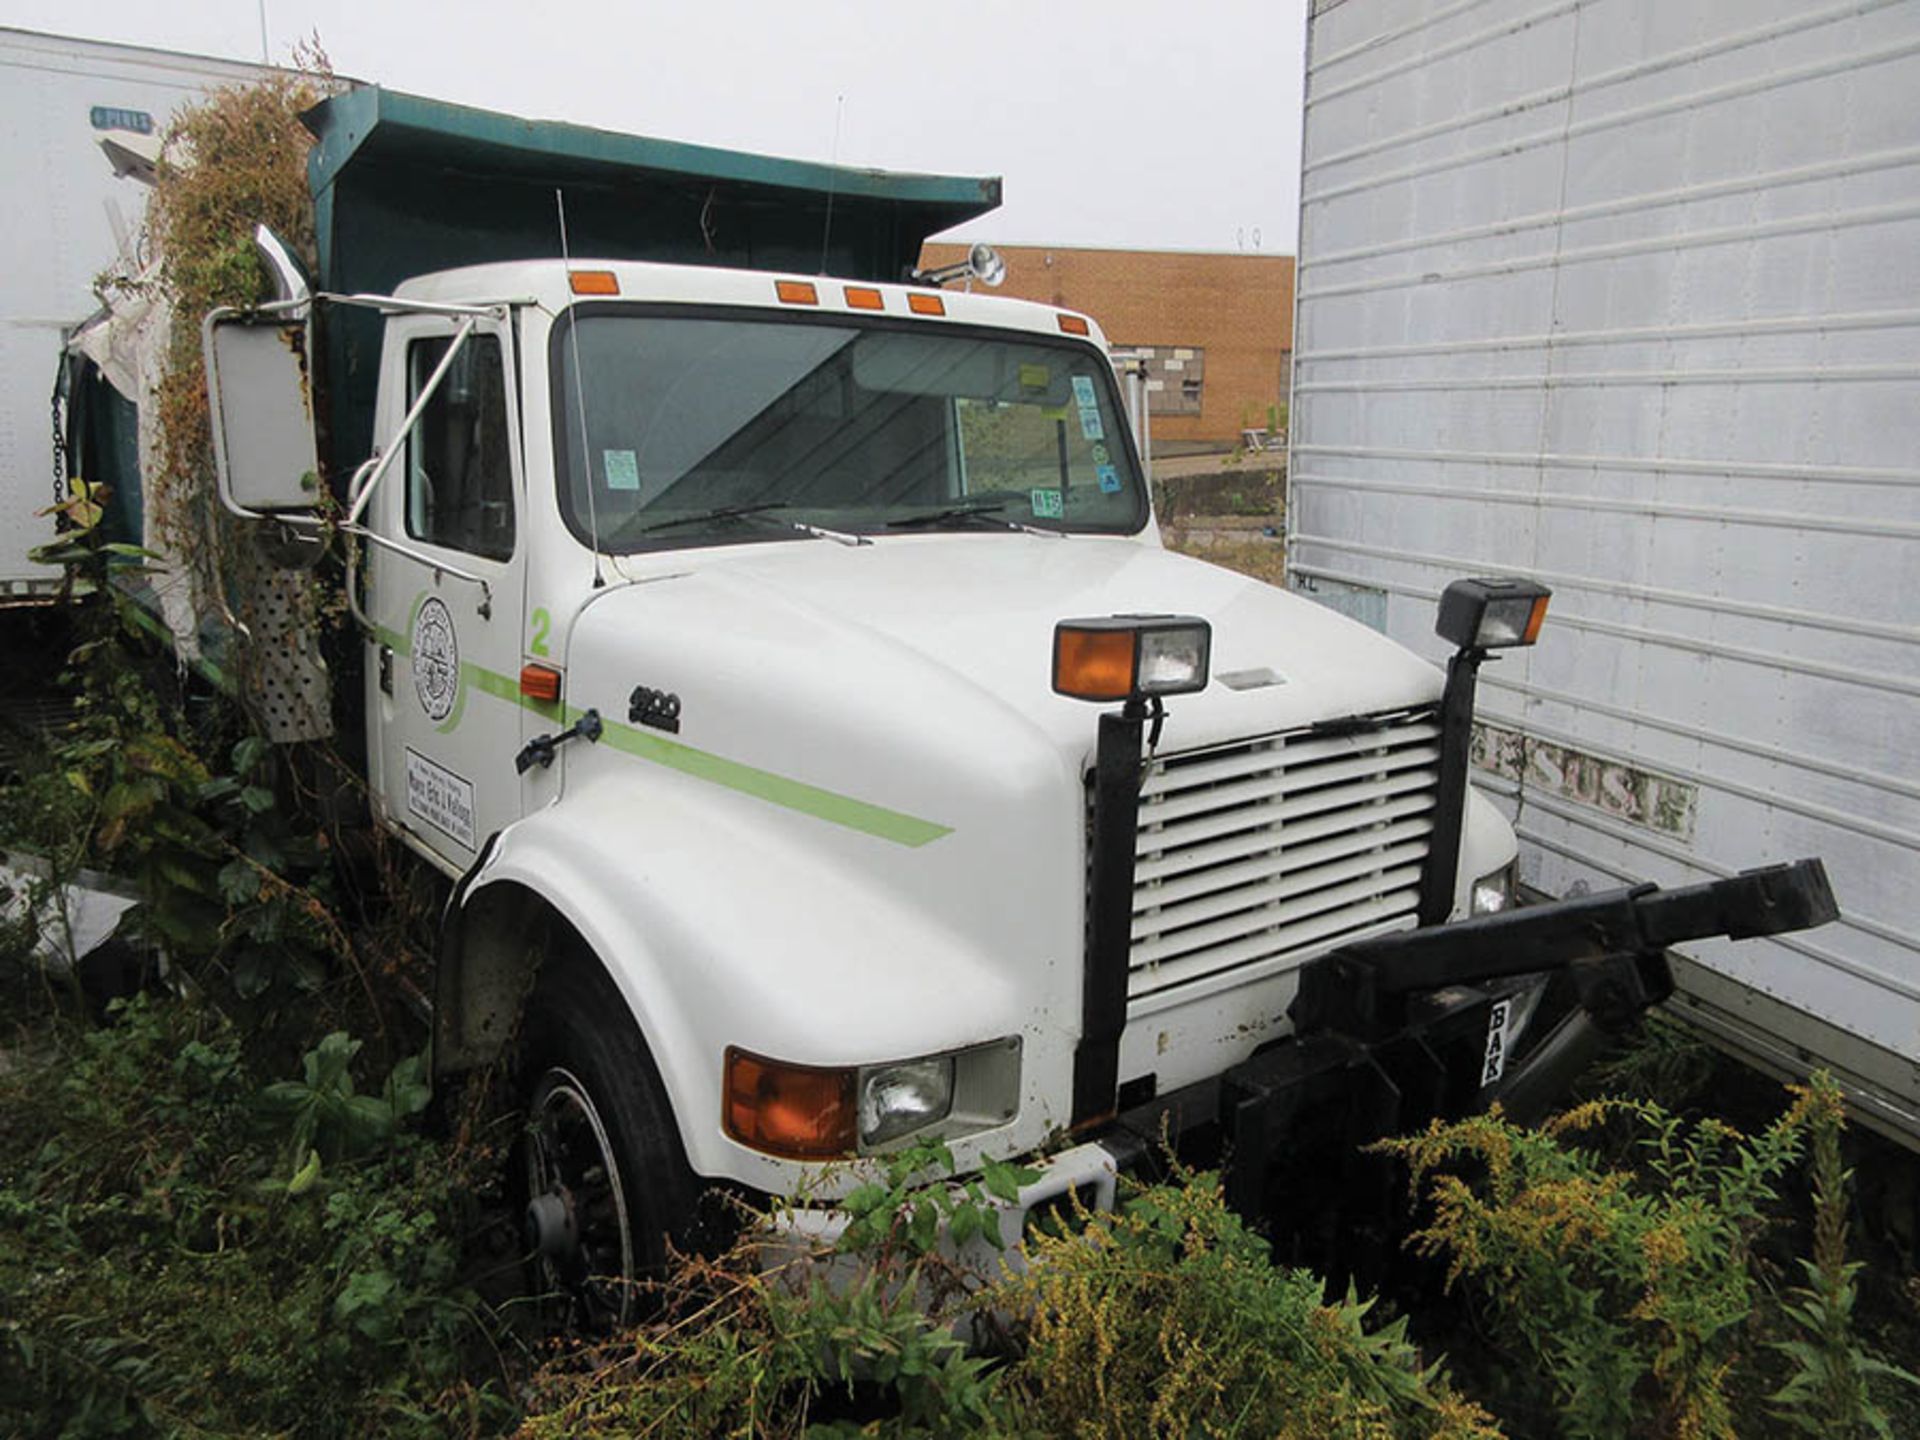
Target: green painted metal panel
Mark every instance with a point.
(404, 185)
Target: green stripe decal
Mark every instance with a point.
(789, 794)
(875, 820)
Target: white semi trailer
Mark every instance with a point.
(74, 209)
(1625, 297)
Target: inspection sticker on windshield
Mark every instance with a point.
(1083, 392)
(1090, 426)
(1035, 377)
(1109, 479)
(440, 797)
(1048, 504)
(1496, 1063)
(623, 469)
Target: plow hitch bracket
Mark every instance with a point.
(1614, 943)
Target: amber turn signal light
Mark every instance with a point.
(1130, 657)
(540, 682)
(798, 1112)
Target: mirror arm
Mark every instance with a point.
(363, 493)
(420, 557)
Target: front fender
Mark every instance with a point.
(718, 933)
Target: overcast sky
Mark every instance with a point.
(1162, 125)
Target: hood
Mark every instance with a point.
(865, 793)
(979, 610)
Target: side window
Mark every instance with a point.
(459, 475)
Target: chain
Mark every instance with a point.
(60, 489)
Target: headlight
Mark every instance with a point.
(834, 1112)
(898, 1099)
(1493, 893)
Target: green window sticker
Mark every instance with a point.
(1048, 505)
(623, 469)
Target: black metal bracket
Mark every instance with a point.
(1614, 943)
(539, 750)
(1440, 872)
(1103, 992)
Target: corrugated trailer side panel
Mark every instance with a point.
(58, 98)
(1627, 297)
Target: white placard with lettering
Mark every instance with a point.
(440, 797)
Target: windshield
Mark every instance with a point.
(701, 427)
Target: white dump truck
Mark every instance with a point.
(777, 653)
(1621, 297)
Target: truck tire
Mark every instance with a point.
(607, 1186)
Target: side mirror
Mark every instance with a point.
(260, 393)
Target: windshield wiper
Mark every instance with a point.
(956, 512)
(719, 512)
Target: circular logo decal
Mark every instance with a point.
(436, 660)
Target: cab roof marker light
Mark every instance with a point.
(796, 292)
(864, 297)
(921, 304)
(1074, 325)
(593, 282)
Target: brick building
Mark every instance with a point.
(1219, 326)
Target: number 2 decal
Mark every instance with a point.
(542, 622)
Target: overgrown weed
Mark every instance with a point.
(1623, 1272)
(169, 1273)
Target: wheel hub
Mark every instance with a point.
(576, 1223)
(552, 1228)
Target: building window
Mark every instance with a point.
(1176, 377)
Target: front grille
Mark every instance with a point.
(1268, 851)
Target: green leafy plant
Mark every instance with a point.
(1828, 1392)
(326, 1116)
(903, 1210)
(1627, 1288)
(1167, 1317)
(162, 1277)
(762, 1342)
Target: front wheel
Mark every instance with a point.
(608, 1187)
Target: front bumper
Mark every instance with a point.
(1391, 1033)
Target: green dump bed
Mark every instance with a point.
(403, 186)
